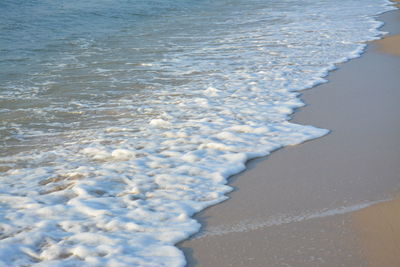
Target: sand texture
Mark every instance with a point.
(296, 208)
(378, 229)
(390, 45)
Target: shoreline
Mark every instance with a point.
(246, 228)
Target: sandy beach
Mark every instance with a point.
(379, 233)
(329, 201)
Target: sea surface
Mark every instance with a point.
(120, 119)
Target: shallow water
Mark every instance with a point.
(120, 119)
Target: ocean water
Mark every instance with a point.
(120, 119)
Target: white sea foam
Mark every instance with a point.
(114, 181)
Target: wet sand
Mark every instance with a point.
(298, 207)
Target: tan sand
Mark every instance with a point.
(294, 208)
(378, 229)
(390, 45)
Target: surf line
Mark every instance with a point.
(251, 225)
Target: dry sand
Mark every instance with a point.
(390, 45)
(296, 208)
(378, 229)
